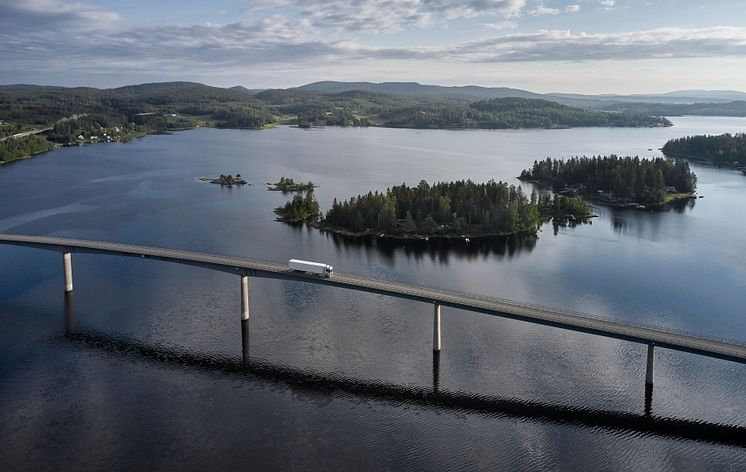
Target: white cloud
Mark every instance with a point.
(541, 10)
(572, 8)
(607, 3)
(386, 16)
(46, 15)
(503, 25)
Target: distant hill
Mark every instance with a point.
(472, 93)
(43, 105)
(467, 93)
(241, 88)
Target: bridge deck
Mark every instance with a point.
(467, 301)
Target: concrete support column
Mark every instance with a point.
(649, 372)
(244, 297)
(436, 328)
(68, 262)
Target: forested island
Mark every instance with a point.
(286, 184)
(225, 180)
(725, 149)
(621, 181)
(87, 115)
(301, 209)
(449, 209)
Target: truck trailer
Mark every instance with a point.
(316, 268)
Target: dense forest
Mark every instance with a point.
(734, 108)
(726, 149)
(301, 209)
(504, 113)
(449, 209)
(357, 108)
(11, 149)
(620, 179)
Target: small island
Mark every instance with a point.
(461, 209)
(286, 185)
(628, 182)
(724, 150)
(225, 180)
(301, 209)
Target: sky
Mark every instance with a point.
(581, 46)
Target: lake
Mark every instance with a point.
(141, 368)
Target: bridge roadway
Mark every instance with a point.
(465, 301)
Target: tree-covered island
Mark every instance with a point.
(286, 184)
(301, 209)
(450, 209)
(723, 150)
(619, 181)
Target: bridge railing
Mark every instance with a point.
(572, 313)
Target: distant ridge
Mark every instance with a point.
(471, 93)
(241, 88)
(415, 89)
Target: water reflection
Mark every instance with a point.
(245, 342)
(439, 249)
(69, 313)
(314, 383)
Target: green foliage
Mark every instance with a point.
(356, 108)
(620, 178)
(725, 149)
(148, 106)
(301, 209)
(447, 208)
(734, 108)
(15, 148)
(286, 184)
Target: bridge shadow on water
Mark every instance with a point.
(315, 384)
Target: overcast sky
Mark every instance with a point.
(592, 46)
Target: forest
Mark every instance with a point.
(15, 148)
(357, 108)
(725, 149)
(301, 209)
(620, 179)
(449, 209)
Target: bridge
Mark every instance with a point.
(246, 268)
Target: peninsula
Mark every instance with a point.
(723, 150)
(617, 181)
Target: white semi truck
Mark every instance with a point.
(316, 268)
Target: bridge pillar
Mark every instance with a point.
(244, 297)
(67, 261)
(436, 328)
(649, 372)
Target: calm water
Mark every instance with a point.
(142, 368)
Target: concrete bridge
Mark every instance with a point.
(245, 268)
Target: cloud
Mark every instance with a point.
(385, 16)
(276, 42)
(52, 15)
(468, 8)
(609, 4)
(503, 25)
(560, 45)
(572, 8)
(541, 10)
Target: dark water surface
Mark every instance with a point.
(141, 368)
